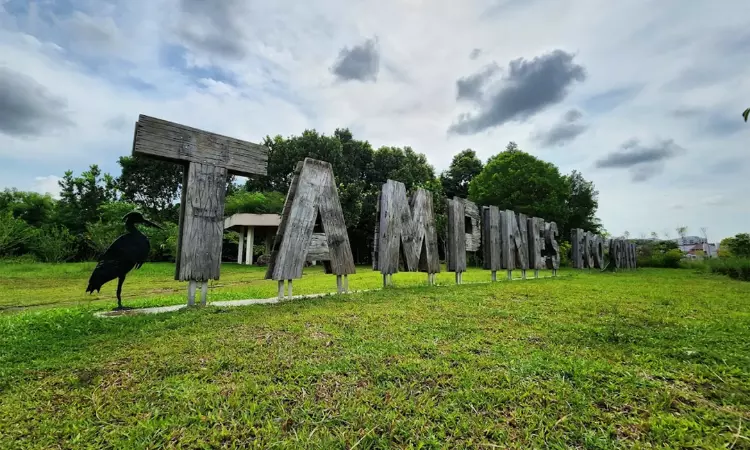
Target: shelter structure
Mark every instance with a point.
(252, 228)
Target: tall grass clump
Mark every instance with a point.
(734, 267)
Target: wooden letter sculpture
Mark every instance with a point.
(312, 192)
(464, 234)
(491, 238)
(207, 158)
(536, 244)
(407, 225)
(552, 248)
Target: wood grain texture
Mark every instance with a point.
(312, 192)
(576, 248)
(552, 247)
(508, 228)
(318, 250)
(521, 236)
(598, 244)
(173, 142)
(536, 242)
(456, 236)
(472, 216)
(635, 256)
(588, 248)
(202, 223)
(491, 240)
(376, 237)
(406, 228)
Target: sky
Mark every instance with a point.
(644, 98)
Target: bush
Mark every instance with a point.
(100, 235)
(737, 268)
(254, 203)
(54, 244)
(565, 248)
(13, 233)
(670, 259)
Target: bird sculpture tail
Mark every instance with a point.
(104, 272)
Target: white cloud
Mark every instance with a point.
(642, 62)
(47, 185)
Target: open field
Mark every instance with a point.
(653, 358)
(31, 285)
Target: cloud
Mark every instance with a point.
(716, 121)
(213, 28)
(27, 108)
(564, 131)
(644, 162)
(47, 185)
(472, 87)
(361, 62)
(610, 99)
(475, 53)
(99, 34)
(118, 123)
(527, 87)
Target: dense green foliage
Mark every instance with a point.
(254, 203)
(514, 179)
(737, 246)
(734, 267)
(649, 359)
(657, 253)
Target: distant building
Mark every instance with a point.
(699, 250)
(690, 240)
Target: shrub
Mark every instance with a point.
(100, 235)
(13, 233)
(670, 259)
(565, 248)
(254, 203)
(737, 268)
(54, 244)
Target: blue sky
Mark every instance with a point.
(643, 97)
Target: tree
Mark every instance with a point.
(151, 184)
(654, 235)
(746, 113)
(33, 208)
(13, 233)
(682, 232)
(581, 205)
(82, 198)
(464, 167)
(738, 246)
(516, 180)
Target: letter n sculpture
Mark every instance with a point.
(208, 158)
(312, 192)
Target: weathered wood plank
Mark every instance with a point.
(406, 228)
(318, 250)
(313, 192)
(376, 237)
(536, 242)
(588, 247)
(202, 224)
(491, 239)
(577, 247)
(173, 142)
(521, 236)
(552, 247)
(509, 228)
(598, 256)
(472, 225)
(456, 239)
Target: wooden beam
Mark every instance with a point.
(169, 141)
(509, 227)
(491, 237)
(202, 224)
(521, 236)
(552, 248)
(456, 236)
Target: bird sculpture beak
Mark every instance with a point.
(151, 224)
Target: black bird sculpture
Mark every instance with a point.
(126, 252)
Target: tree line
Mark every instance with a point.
(87, 216)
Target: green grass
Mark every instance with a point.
(656, 358)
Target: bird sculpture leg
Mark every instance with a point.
(119, 292)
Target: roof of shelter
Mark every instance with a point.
(252, 220)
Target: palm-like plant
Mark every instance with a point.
(746, 114)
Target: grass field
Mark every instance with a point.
(649, 359)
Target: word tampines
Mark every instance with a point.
(406, 235)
